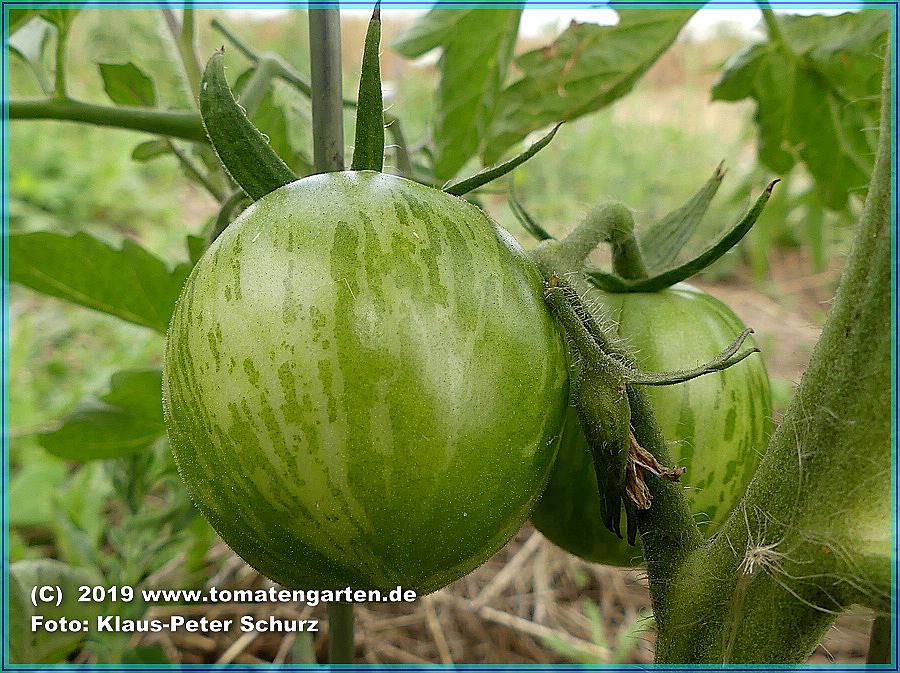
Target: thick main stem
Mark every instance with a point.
(327, 101)
(880, 641)
(811, 535)
(340, 633)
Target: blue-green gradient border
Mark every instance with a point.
(450, 4)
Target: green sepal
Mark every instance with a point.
(611, 283)
(488, 174)
(241, 148)
(524, 218)
(727, 358)
(368, 150)
(661, 243)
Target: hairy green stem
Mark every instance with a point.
(813, 530)
(668, 531)
(660, 281)
(628, 262)
(327, 102)
(570, 254)
(880, 641)
(340, 633)
(183, 125)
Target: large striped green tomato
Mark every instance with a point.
(363, 386)
(716, 426)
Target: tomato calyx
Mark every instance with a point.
(605, 371)
(612, 223)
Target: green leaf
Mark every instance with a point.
(126, 84)
(151, 149)
(146, 654)
(31, 490)
(129, 282)
(125, 420)
(662, 242)
(816, 96)
(431, 31)
(41, 646)
(585, 69)
(477, 52)
(29, 44)
(17, 18)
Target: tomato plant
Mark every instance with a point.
(363, 386)
(366, 379)
(716, 426)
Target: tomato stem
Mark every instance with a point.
(880, 641)
(327, 102)
(340, 633)
(781, 568)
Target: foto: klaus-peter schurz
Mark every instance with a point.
(177, 623)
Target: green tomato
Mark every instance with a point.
(716, 426)
(363, 385)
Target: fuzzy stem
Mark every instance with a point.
(327, 102)
(184, 125)
(880, 641)
(812, 531)
(606, 222)
(628, 262)
(669, 533)
(340, 633)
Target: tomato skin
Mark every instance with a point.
(363, 386)
(717, 426)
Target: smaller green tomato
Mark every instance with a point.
(717, 426)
